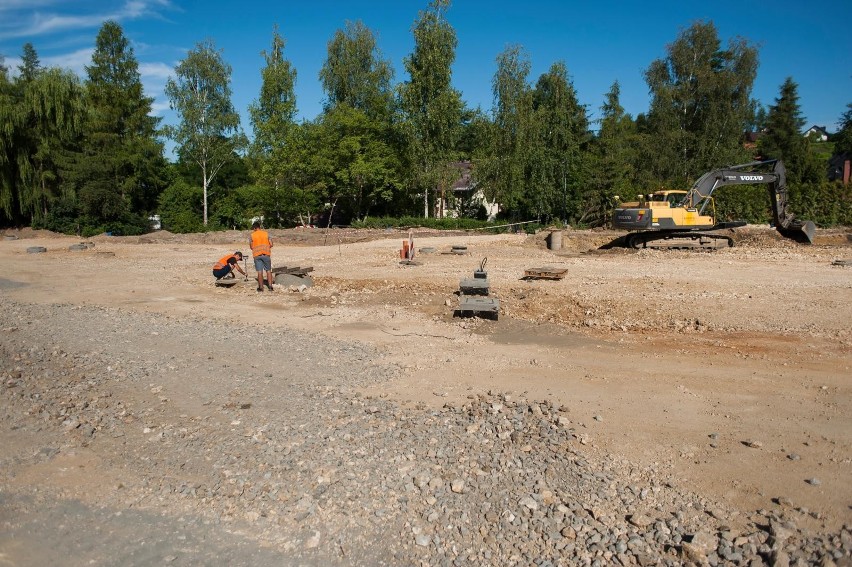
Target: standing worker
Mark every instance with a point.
(226, 266)
(261, 248)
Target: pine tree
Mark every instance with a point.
(30, 63)
(843, 138)
(560, 135)
(784, 138)
(121, 168)
(614, 150)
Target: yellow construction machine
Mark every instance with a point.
(685, 219)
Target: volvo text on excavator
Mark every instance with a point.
(674, 219)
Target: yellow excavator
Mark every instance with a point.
(684, 219)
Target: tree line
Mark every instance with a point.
(84, 155)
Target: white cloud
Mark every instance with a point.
(36, 24)
(12, 5)
(46, 24)
(76, 60)
(156, 71)
(158, 108)
(12, 64)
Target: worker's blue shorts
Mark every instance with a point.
(222, 272)
(263, 262)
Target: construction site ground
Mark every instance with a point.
(729, 371)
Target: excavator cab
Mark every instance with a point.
(667, 198)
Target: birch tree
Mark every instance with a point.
(209, 132)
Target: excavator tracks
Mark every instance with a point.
(678, 240)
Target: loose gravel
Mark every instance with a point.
(229, 444)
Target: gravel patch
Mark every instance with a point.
(231, 444)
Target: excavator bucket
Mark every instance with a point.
(800, 231)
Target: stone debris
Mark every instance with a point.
(305, 465)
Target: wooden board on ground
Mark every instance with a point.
(295, 270)
(545, 273)
(227, 282)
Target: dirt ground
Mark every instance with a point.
(728, 370)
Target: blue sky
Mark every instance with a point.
(600, 42)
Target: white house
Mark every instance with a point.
(464, 190)
(817, 133)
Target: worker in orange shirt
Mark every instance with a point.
(261, 248)
(226, 266)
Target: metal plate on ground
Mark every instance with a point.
(228, 282)
(474, 286)
(484, 306)
(293, 280)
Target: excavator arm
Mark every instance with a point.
(698, 197)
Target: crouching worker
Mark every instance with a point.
(225, 267)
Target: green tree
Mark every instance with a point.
(355, 73)
(613, 151)
(758, 119)
(121, 168)
(42, 120)
(40, 116)
(273, 121)
(560, 138)
(180, 207)
(297, 197)
(209, 131)
(784, 139)
(30, 63)
(473, 137)
(431, 107)
(843, 138)
(354, 139)
(700, 104)
(503, 172)
(351, 164)
(273, 114)
(7, 174)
